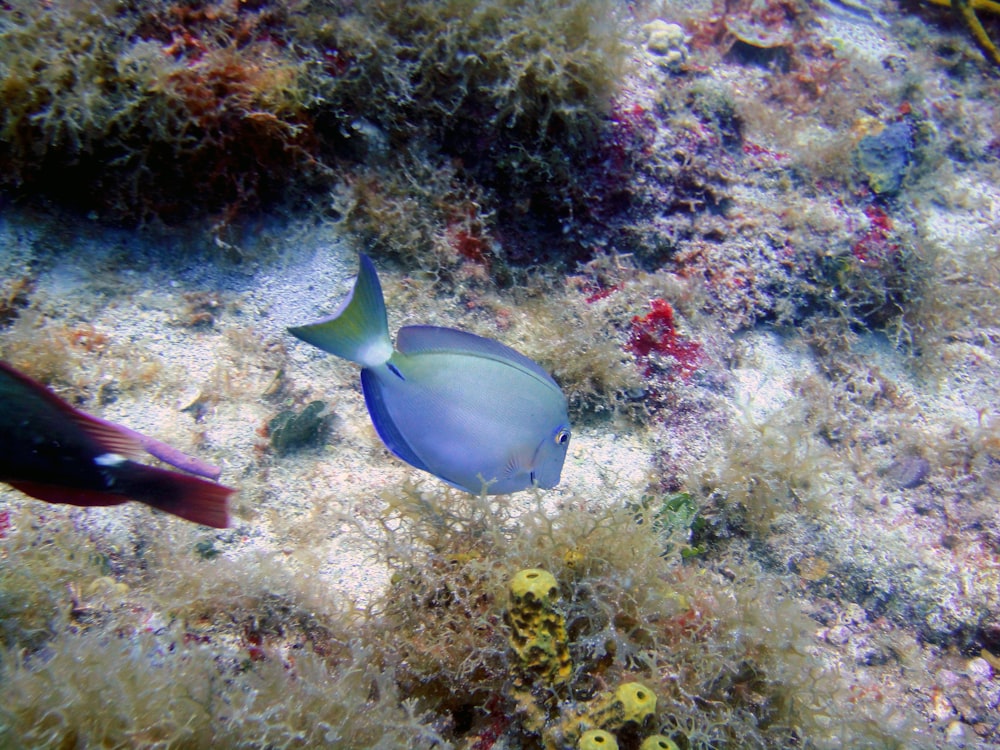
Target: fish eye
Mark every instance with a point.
(562, 437)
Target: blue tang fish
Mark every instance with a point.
(466, 409)
(57, 453)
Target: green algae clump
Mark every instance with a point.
(164, 111)
(291, 430)
(151, 111)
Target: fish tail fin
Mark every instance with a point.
(191, 498)
(359, 330)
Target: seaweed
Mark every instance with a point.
(166, 112)
(293, 430)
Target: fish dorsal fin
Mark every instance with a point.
(426, 339)
(359, 330)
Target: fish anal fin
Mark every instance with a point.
(51, 493)
(385, 426)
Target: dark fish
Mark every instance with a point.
(59, 454)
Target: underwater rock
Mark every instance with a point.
(750, 29)
(759, 42)
(907, 472)
(667, 42)
(884, 158)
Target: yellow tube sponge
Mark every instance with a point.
(538, 628)
(597, 739)
(534, 583)
(631, 702)
(658, 742)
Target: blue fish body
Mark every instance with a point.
(464, 408)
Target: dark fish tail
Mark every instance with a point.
(187, 497)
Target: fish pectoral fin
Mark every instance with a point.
(515, 468)
(119, 440)
(111, 437)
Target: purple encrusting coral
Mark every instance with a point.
(754, 241)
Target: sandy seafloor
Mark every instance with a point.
(185, 340)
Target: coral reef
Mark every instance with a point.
(723, 663)
(655, 334)
(123, 670)
(155, 113)
(667, 41)
(966, 11)
(538, 637)
(170, 111)
(753, 240)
